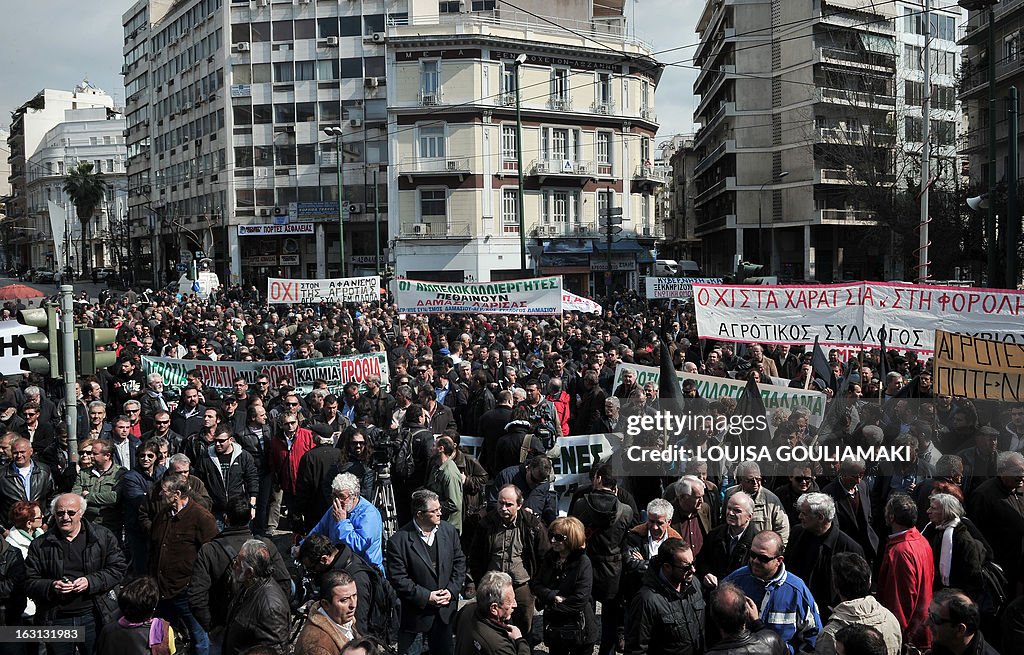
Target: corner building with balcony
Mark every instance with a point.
(586, 100)
(797, 145)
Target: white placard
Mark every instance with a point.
(534, 296)
(344, 289)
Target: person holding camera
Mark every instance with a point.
(542, 412)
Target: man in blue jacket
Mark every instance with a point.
(786, 603)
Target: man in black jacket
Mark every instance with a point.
(726, 547)
(606, 519)
(812, 546)
(738, 620)
(427, 568)
(319, 556)
(69, 572)
(211, 587)
(667, 615)
(227, 471)
(12, 480)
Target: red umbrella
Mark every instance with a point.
(16, 291)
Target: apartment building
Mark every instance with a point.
(27, 233)
(227, 103)
(810, 121)
(459, 75)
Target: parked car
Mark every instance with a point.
(102, 273)
(43, 276)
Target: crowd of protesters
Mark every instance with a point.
(161, 529)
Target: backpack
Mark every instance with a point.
(383, 619)
(994, 585)
(403, 465)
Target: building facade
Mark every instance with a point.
(809, 117)
(27, 233)
(227, 104)
(459, 74)
(85, 135)
(681, 241)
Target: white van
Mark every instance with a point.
(689, 268)
(666, 268)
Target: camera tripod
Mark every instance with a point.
(384, 500)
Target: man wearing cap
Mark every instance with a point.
(234, 416)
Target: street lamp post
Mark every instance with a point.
(336, 133)
(760, 238)
(520, 60)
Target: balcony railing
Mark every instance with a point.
(649, 173)
(858, 57)
(562, 167)
(434, 165)
(846, 176)
(848, 216)
(438, 228)
(847, 97)
(565, 229)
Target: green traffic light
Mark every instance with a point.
(45, 342)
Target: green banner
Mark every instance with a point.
(299, 373)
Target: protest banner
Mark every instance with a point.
(573, 303)
(856, 314)
(343, 289)
(10, 353)
(572, 467)
(980, 369)
(712, 388)
(677, 288)
(299, 373)
(534, 296)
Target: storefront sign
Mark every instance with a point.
(346, 289)
(857, 314)
(599, 263)
(535, 296)
(261, 260)
(275, 230)
(289, 260)
(675, 287)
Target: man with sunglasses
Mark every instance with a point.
(667, 614)
(956, 624)
(800, 482)
(100, 485)
(69, 572)
(785, 602)
(227, 470)
(162, 430)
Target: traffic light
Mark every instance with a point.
(89, 339)
(747, 270)
(45, 343)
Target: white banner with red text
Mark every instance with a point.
(856, 314)
(343, 289)
(573, 303)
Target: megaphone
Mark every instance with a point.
(978, 202)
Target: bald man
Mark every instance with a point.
(24, 479)
(790, 608)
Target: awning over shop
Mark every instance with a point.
(569, 246)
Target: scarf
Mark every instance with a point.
(161, 637)
(946, 549)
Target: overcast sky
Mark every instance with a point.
(58, 44)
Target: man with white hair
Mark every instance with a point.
(814, 543)
(693, 520)
(353, 520)
(768, 511)
(642, 543)
(485, 628)
(726, 547)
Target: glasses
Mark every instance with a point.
(432, 512)
(559, 538)
(263, 383)
(162, 422)
(764, 559)
(685, 568)
(221, 440)
(147, 456)
(293, 404)
(30, 414)
(83, 453)
(802, 478)
(291, 423)
(133, 411)
(358, 443)
(753, 480)
(66, 512)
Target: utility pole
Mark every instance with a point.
(67, 342)
(610, 225)
(923, 261)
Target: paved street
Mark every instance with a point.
(50, 289)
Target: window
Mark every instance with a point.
(483, 5)
(604, 89)
(510, 211)
(330, 111)
(283, 71)
(449, 7)
(284, 113)
(327, 27)
(912, 57)
(560, 143)
(912, 127)
(943, 132)
(944, 63)
(604, 148)
(508, 77)
(430, 77)
(645, 96)
(351, 67)
(560, 85)
(1011, 46)
(603, 196)
(283, 30)
(509, 152)
(305, 70)
(431, 142)
(351, 26)
(944, 97)
(433, 203)
(328, 69)
(373, 23)
(560, 207)
(913, 92)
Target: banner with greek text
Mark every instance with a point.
(535, 296)
(573, 303)
(299, 373)
(678, 288)
(344, 289)
(712, 388)
(980, 369)
(857, 314)
(572, 467)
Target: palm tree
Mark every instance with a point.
(86, 190)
